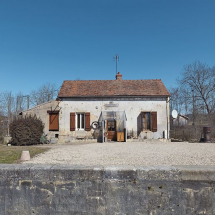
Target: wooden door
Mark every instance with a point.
(111, 129)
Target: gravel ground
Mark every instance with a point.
(130, 153)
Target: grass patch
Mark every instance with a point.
(12, 154)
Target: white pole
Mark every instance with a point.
(102, 131)
(8, 128)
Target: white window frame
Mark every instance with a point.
(81, 115)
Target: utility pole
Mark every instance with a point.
(8, 127)
(116, 58)
(193, 108)
(28, 101)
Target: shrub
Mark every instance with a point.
(26, 131)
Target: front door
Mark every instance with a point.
(111, 128)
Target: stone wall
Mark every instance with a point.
(41, 112)
(57, 189)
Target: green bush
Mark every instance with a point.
(26, 131)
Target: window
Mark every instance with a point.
(80, 121)
(53, 120)
(111, 125)
(146, 121)
(149, 121)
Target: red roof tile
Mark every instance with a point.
(106, 88)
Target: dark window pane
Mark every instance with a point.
(78, 120)
(111, 125)
(148, 120)
(82, 120)
(144, 121)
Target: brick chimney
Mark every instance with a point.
(119, 76)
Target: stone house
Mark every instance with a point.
(107, 110)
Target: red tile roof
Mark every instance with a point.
(107, 88)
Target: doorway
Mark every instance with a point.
(111, 124)
(111, 130)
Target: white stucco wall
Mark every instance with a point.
(132, 107)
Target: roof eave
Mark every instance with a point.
(115, 96)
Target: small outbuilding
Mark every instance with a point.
(181, 120)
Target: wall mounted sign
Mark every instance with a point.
(111, 104)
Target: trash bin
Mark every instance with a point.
(207, 134)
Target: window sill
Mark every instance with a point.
(147, 131)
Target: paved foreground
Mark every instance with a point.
(130, 153)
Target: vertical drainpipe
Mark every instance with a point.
(103, 131)
(102, 122)
(125, 131)
(167, 116)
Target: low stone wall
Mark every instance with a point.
(60, 189)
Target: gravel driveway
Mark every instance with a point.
(130, 153)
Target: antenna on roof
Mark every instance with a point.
(116, 58)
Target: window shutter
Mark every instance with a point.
(72, 121)
(53, 122)
(141, 121)
(154, 121)
(87, 122)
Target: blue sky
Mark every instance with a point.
(51, 41)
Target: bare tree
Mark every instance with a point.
(178, 101)
(20, 103)
(8, 106)
(198, 84)
(45, 93)
(11, 106)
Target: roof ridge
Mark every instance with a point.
(120, 80)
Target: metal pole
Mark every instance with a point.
(116, 58)
(193, 109)
(103, 132)
(8, 127)
(167, 116)
(116, 64)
